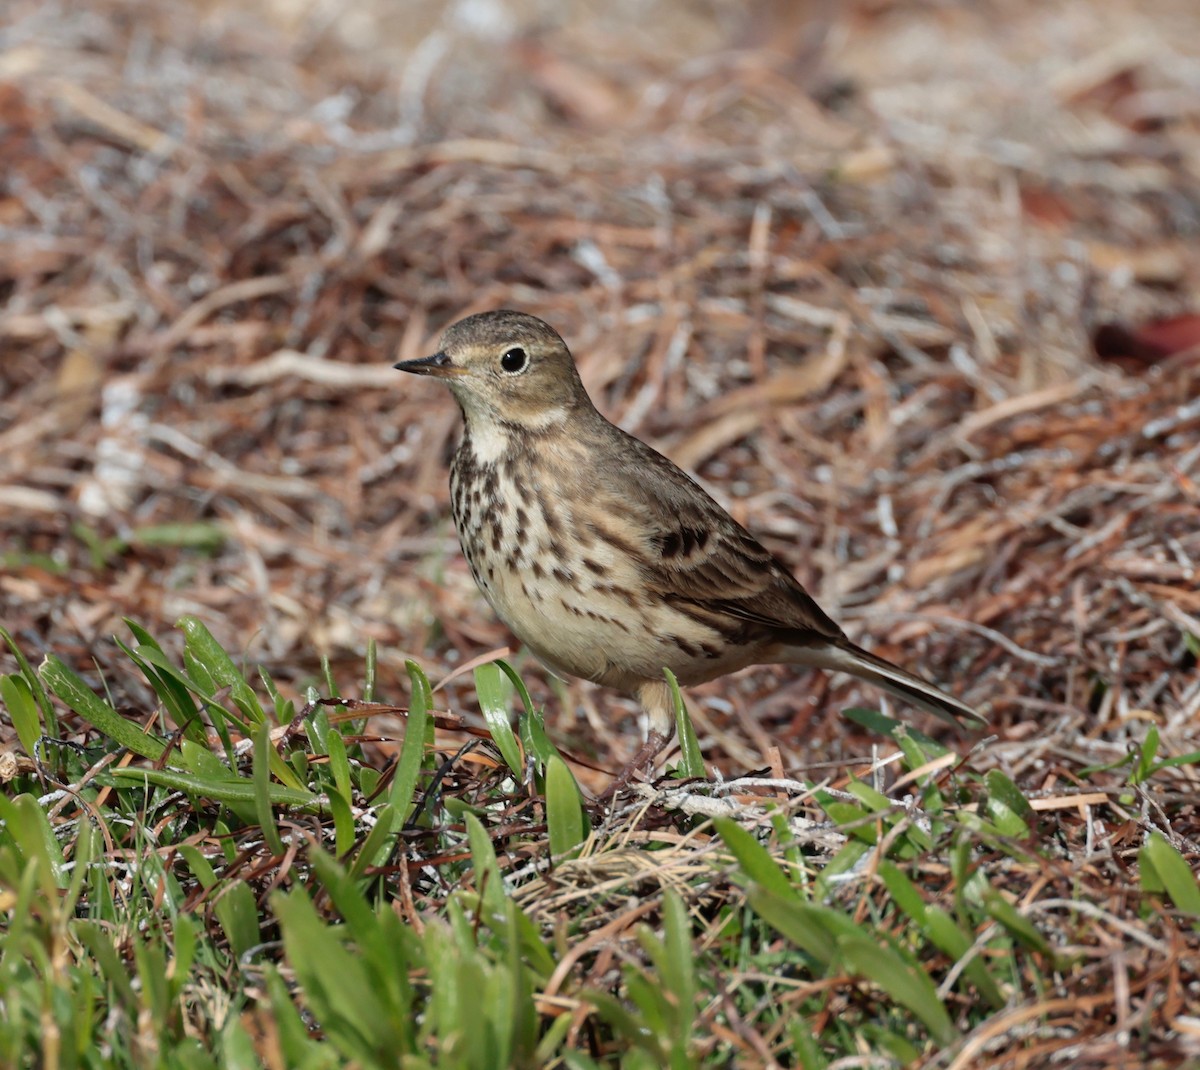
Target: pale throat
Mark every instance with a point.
(490, 439)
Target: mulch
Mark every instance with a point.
(938, 346)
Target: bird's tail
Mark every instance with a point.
(852, 659)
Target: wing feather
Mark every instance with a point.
(697, 557)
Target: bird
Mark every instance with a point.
(603, 557)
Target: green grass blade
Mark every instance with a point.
(347, 897)
(176, 694)
(99, 714)
(811, 928)
(691, 761)
(221, 667)
(343, 822)
(331, 687)
(903, 892)
(518, 683)
(1001, 787)
(517, 980)
(1006, 807)
(283, 708)
(379, 842)
(339, 762)
(489, 883)
(1191, 758)
(234, 904)
(1173, 873)
(1016, 923)
(1004, 820)
(49, 717)
(369, 671)
(262, 789)
(489, 690)
(534, 739)
(946, 935)
(297, 1048)
(876, 802)
(1146, 754)
(679, 963)
(18, 699)
(918, 748)
(754, 859)
(198, 759)
(564, 808)
(197, 680)
(412, 750)
(24, 824)
(905, 983)
(338, 986)
(233, 790)
(180, 709)
(201, 535)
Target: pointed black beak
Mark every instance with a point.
(439, 366)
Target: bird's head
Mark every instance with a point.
(506, 367)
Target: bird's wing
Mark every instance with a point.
(699, 558)
(701, 561)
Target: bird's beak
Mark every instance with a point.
(439, 366)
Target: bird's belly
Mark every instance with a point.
(581, 628)
(575, 597)
(568, 629)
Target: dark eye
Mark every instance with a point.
(514, 360)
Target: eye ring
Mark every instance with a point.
(515, 360)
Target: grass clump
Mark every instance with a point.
(232, 881)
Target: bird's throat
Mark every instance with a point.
(488, 441)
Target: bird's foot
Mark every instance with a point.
(642, 762)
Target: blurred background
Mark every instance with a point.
(912, 286)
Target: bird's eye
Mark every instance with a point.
(514, 360)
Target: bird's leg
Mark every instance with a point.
(641, 762)
(656, 699)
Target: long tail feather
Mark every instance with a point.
(846, 657)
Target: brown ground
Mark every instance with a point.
(912, 286)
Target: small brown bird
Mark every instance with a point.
(602, 556)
